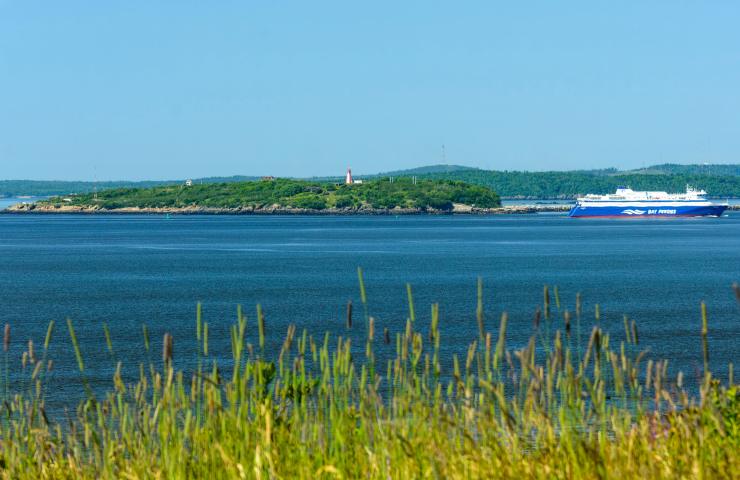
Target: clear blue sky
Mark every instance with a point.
(175, 89)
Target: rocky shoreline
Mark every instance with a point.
(31, 208)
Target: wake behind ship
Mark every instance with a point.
(629, 203)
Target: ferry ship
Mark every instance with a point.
(629, 203)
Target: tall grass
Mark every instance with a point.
(313, 409)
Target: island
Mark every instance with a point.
(284, 196)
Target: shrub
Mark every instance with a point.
(308, 200)
(344, 201)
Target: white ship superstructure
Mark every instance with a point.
(628, 202)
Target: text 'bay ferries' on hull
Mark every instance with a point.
(629, 203)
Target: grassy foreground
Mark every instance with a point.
(323, 408)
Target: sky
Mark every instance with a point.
(104, 90)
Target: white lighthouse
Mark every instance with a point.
(348, 178)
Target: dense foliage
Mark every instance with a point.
(565, 405)
(424, 194)
(694, 169)
(439, 168)
(14, 188)
(45, 188)
(572, 184)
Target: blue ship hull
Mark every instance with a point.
(651, 210)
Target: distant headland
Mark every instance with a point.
(270, 195)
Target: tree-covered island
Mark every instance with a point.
(275, 195)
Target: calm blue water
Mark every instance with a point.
(130, 270)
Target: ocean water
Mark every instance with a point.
(126, 271)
